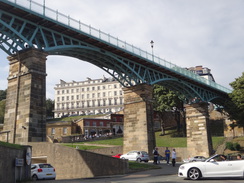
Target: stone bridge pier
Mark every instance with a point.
(25, 112)
(199, 141)
(138, 119)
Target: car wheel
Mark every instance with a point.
(138, 160)
(194, 174)
(34, 177)
(146, 161)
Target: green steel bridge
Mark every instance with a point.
(27, 24)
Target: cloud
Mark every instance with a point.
(186, 33)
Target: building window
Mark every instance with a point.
(67, 91)
(115, 93)
(121, 92)
(115, 86)
(109, 86)
(62, 98)
(109, 102)
(72, 97)
(53, 131)
(82, 96)
(104, 94)
(58, 99)
(87, 123)
(58, 92)
(93, 88)
(98, 95)
(115, 101)
(104, 102)
(82, 89)
(94, 123)
(62, 91)
(87, 89)
(77, 90)
(109, 93)
(101, 123)
(87, 96)
(93, 95)
(65, 130)
(77, 97)
(104, 87)
(98, 88)
(67, 98)
(72, 90)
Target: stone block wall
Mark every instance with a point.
(71, 163)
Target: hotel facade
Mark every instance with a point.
(89, 97)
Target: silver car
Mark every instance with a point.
(136, 156)
(195, 158)
(42, 171)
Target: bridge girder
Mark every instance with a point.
(17, 34)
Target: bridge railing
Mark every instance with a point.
(98, 34)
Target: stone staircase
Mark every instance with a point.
(221, 148)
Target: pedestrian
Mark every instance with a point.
(173, 157)
(155, 156)
(167, 155)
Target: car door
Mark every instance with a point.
(237, 167)
(217, 169)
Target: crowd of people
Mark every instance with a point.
(167, 153)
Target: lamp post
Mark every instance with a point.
(152, 49)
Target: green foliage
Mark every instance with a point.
(165, 99)
(3, 94)
(16, 146)
(83, 147)
(233, 146)
(142, 166)
(49, 108)
(2, 110)
(235, 106)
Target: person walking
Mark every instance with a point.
(155, 156)
(173, 157)
(167, 155)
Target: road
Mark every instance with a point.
(167, 173)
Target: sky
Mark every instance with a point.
(185, 32)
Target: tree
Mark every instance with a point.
(167, 100)
(3, 94)
(49, 108)
(2, 110)
(235, 107)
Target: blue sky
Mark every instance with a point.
(187, 33)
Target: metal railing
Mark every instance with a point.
(102, 36)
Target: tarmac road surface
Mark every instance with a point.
(167, 173)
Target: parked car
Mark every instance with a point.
(117, 156)
(42, 171)
(195, 158)
(136, 156)
(214, 166)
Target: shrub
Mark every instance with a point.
(236, 146)
(229, 145)
(233, 146)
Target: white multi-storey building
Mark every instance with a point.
(88, 97)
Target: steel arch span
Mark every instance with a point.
(21, 28)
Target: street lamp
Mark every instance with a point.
(152, 49)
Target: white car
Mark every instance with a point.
(212, 167)
(42, 171)
(136, 156)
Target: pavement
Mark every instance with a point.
(164, 170)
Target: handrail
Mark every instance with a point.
(123, 45)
